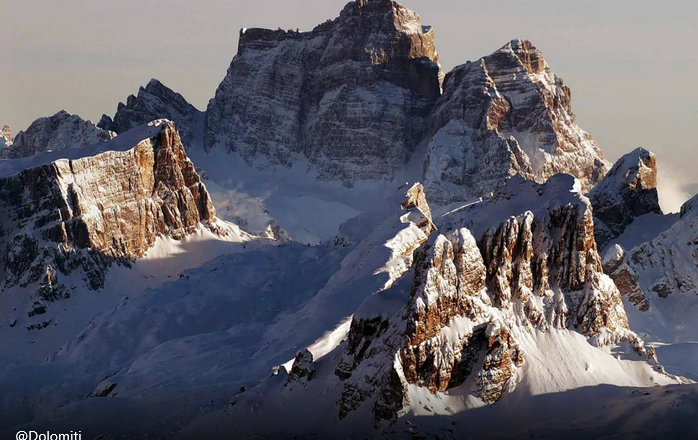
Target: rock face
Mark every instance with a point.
(154, 101)
(61, 131)
(90, 212)
(625, 277)
(351, 96)
(668, 264)
(503, 115)
(472, 300)
(629, 190)
(303, 369)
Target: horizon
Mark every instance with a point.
(67, 56)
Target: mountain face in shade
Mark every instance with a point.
(502, 115)
(61, 131)
(154, 101)
(351, 96)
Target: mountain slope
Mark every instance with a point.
(217, 327)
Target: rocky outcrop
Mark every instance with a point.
(505, 114)
(154, 101)
(628, 191)
(472, 300)
(61, 131)
(416, 200)
(351, 96)
(5, 136)
(625, 277)
(303, 369)
(274, 231)
(668, 264)
(89, 213)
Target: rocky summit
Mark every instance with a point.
(502, 115)
(154, 101)
(352, 96)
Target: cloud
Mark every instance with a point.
(234, 205)
(674, 190)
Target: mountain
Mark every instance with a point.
(354, 304)
(481, 313)
(502, 115)
(628, 191)
(59, 132)
(155, 101)
(351, 96)
(86, 214)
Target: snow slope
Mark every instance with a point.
(207, 332)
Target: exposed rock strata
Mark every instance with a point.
(625, 277)
(90, 212)
(5, 136)
(505, 114)
(471, 301)
(303, 369)
(351, 96)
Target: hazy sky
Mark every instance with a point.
(631, 65)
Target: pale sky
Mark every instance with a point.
(631, 65)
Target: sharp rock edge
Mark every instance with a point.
(154, 101)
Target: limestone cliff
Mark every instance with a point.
(91, 212)
(351, 96)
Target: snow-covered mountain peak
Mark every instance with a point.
(471, 321)
(628, 191)
(59, 132)
(689, 207)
